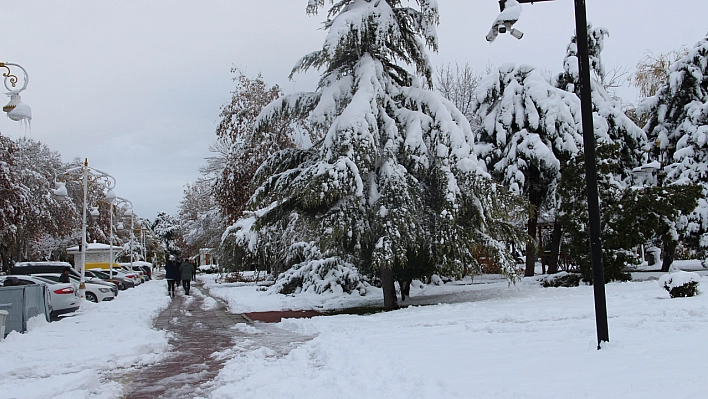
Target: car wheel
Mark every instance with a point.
(90, 296)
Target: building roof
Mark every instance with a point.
(94, 247)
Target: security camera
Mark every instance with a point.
(510, 13)
(493, 33)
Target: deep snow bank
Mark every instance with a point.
(69, 358)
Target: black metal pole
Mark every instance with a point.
(598, 274)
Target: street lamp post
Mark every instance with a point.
(130, 213)
(142, 239)
(115, 201)
(15, 109)
(110, 183)
(598, 273)
(143, 249)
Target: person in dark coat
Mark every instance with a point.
(186, 270)
(171, 275)
(64, 277)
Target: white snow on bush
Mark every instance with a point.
(677, 279)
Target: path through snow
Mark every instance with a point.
(202, 335)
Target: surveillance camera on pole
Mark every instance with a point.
(510, 13)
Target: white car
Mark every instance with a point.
(63, 297)
(95, 291)
(126, 274)
(140, 274)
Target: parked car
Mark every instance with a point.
(139, 273)
(146, 270)
(28, 268)
(130, 276)
(122, 283)
(63, 298)
(138, 265)
(96, 290)
(212, 268)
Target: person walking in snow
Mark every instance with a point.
(171, 275)
(186, 270)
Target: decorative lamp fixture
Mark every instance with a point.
(94, 212)
(15, 109)
(60, 191)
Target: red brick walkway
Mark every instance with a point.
(196, 334)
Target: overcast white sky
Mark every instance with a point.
(136, 85)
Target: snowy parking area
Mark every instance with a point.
(76, 357)
(513, 342)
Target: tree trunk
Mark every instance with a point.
(389, 289)
(4, 259)
(555, 249)
(535, 201)
(530, 247)
(669, 248)
(405, 286)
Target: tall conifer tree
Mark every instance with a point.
(678, 127)
(394, 188)
(529, 130)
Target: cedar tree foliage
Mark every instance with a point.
(394, 186)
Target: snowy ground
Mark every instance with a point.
(494, 341)
(76, 357)
(482, 340)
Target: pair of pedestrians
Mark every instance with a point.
(174, 272)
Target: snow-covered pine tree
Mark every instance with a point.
(394, 188)
(620, 147)
(611, 124)
(678, 125)
(529, 130)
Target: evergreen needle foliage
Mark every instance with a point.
(394, 189)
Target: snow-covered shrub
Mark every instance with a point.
(436, 280)
(561, 279)
(320, 276)
(680, 284)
